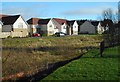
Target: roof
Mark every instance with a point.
(107, 22)
(70, 22)
(33, 21)
(60, 21)
(95, 23)
(3, 15)
(80, 22)
(43, 21)
(9, 19)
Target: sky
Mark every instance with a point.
(66, 10)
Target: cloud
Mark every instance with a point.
(92, 10)
(84, 11)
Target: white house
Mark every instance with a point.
(100, 28)
(16, 25)
(72, 27)
(61, 24)
(1, 26)
(43, 26)
(47, 26)
(34, 26)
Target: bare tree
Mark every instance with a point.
(108, 19)
(108, 14)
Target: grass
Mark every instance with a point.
(90, 67)
(32, 54)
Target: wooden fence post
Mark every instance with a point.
(102, 48)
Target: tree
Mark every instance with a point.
(108, 14)
(108, 19)
(118, 11)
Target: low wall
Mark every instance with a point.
(12, 34)
(4, 34)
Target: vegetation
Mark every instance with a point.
(90, 67)
(29, 55)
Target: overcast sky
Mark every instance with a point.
(68, 10)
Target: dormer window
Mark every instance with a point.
(20, 25)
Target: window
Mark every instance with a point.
(74, 26)
(64, 27)
(20, 25)
(50, 32)
(50, 26)
(56, 27)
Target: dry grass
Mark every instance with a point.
(32, 54)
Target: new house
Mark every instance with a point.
(46, 26)
(89, 27)
(61, 25)
(1, 26)
(72, 27)
(100, 28)
(14, 26)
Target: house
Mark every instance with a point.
(89, 27)
(61, 25)
(15, 25)
(108, 25)
(1, 26)
(80, 22)
(100, 28)
(41, 26)
(72, 27)
(46, 26)
(34, 26)
(3, 15)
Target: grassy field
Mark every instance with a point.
(90, 67)
(29, 55)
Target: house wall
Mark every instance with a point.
(23, 32)
(20, 23)
(87, 27)
(100, 29)
(57, 26)
(43, 29)
(0, 27)
(56, 29)
(11, 34)
(4, 34)
(50, 28)
(21, 26)
(6, 28)
(75, 28)
(64, 28)
(69, 30)
(33, 28)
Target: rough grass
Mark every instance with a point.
(33, 54)
(90, 67)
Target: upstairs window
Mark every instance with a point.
(20, 25)
(64, 27)
(56, 27)
(50, 26)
